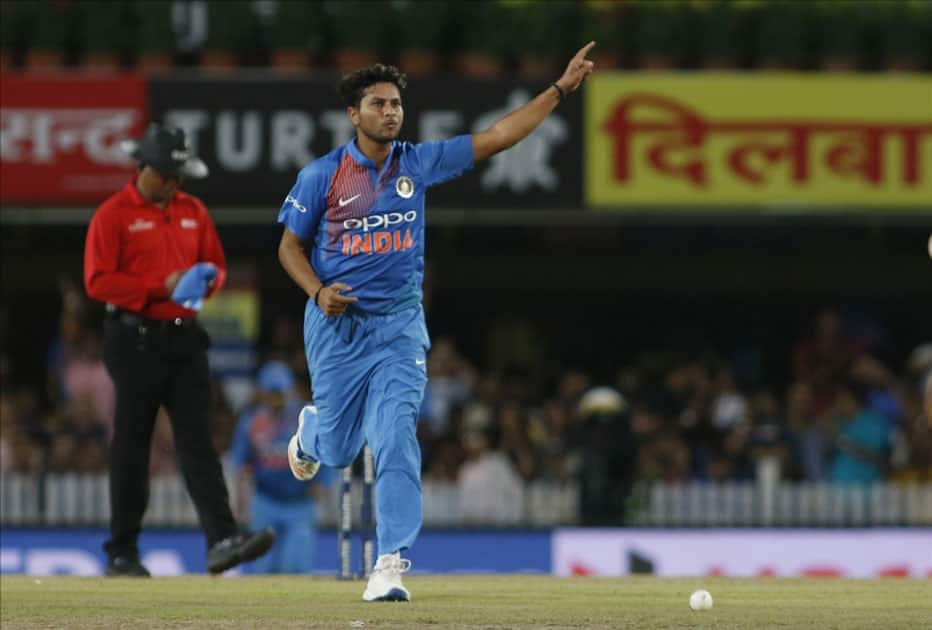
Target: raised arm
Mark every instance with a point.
(520, 123)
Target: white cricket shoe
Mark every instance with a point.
(303, 467)
(385, 582)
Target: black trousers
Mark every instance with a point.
(155, 364)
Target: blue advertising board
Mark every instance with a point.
(76, 551)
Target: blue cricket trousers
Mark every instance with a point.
(295, 532)
(368, 375)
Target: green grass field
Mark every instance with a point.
(440, 601)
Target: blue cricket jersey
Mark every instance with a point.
(261, 441)
(368, 227)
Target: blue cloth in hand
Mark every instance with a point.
(190, 290)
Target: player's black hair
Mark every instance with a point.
(352, 87)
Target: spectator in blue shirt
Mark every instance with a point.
(863, 438)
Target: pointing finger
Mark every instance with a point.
(339, 286)
(584, 50)
(343, 299)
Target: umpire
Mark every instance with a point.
(152, 255)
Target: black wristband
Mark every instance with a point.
(317, 294)
(559, 90)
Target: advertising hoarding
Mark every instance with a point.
(856, 553)
(256, 134)
(764, 141)
(61, 136)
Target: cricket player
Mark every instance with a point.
(353, 240)
(259, 453)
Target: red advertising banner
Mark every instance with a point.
(60, 135)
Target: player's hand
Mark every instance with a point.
(577, 70)
(331, 301)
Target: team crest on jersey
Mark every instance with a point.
(404, 186)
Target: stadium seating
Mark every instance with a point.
(474, 39)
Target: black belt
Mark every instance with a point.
(132, 319)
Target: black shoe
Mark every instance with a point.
(126, 566)
(238, 548)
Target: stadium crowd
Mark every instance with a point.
(843, 416)
(469, 38)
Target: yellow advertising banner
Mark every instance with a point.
(779, 141)
(232, 315)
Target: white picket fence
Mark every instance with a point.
(81, 499)
(75, 500)
(782, 505)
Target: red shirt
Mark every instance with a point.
(133, 245)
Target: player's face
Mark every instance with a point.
(380, 114)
